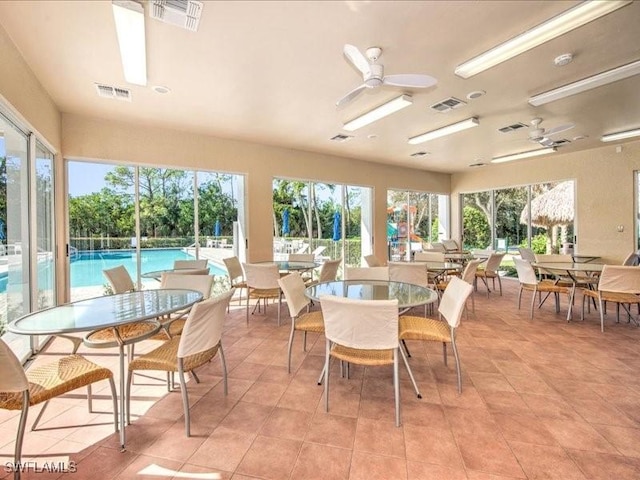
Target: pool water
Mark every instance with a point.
(87, 266)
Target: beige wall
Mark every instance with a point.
(90, 138)
(605, 193)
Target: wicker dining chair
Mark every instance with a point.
(490, 271)
(293, 288)
(529, 281)
(363, 332)
(193, 264)
(199, 342)
(328, 272)
(367, 273)
(410, 272)
(19, 389)
(429, 329)
(469, 276)
(372, 261)
(262, 284)
(236, 275)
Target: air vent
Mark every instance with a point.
(559, 143)
(512, 128)
(341, 138)
(448, 104)
(478, 164)
(420, 154)
(107, 91)
(181, 13)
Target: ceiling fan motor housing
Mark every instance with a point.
(374, 79)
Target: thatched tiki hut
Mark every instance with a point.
(552, 210)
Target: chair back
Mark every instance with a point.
(469, 273)
(119, 279)
(438, 247)
(453, 300)
(620, 279)
(554, 258)
(632, 260)
(189, 271)
(329, 270)
(301, 257)
(414, 273)
(203, 328)
(527, 254)
(428, 256)
(493, 262)
(293, 288)
(450, 245)
(372, 261)
(363, 324)
(262, 276)
(526, 273)
(12, 376)
(233, 268)
(370, 273)
(201, 283)
(318, 251)
(194, 264)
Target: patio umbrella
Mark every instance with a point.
(285, 222)
(2, 234)
(337, 227)
(217, 229)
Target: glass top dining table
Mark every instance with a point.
(110, 311)
(291, 266)
(407, 294)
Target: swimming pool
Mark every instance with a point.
(87, 266)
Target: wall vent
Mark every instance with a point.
(512, 128)
(181, 13)
(419, 154)
(108, 91)
(341, 137)
(561, 142)
(448, 104)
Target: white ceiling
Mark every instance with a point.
(271, 72)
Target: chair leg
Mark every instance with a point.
(500, 284)
(247, 312)
(601, 315)
(17, 457)
(128, 395)
(185, 397)
(455, 354)
(223, 362)
(413, 380)
(520, 296)
(396, 384)
(114, 396)
(279, 306)
(290, 346)
(444, 353)
(89, 399)
(533, 302)
(326, 374)
(37, 420)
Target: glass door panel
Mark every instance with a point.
(477, 220)
(511, 224)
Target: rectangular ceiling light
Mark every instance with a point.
(588, 83)
(521, 155)
(448, 130)
(575, 17)
(377, 113)
(129, 18)
(612, 137)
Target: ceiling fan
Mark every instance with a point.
(537, 134)
(373, 73)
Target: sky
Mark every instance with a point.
(85, 178)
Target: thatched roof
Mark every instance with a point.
(554, 207)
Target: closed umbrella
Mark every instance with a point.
(285, 222)
(217, 229)
(2, 234)
(337, 227)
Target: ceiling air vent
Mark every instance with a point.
(419, 154)
(512, 128)
(560, 143)
(182, 13)
(107, 91)
(448, 104)
(341, 138)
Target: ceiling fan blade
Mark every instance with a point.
(358, 59)
(558, 129)
(547, 142)
(351, 95)
(409, 80)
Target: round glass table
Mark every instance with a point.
(407, 294)
(291, 266)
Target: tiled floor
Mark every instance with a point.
(541, 398)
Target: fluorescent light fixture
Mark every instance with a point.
(588, 83)
(448, 130)
(377, 113)
(521, 155)
(612, 137)
(575, 17)
(129, 18)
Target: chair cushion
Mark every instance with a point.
(129, 333)
(55, 379)
(424, 328)
(165, 358)
(310, 322)
(264, 293)
(362, 357)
